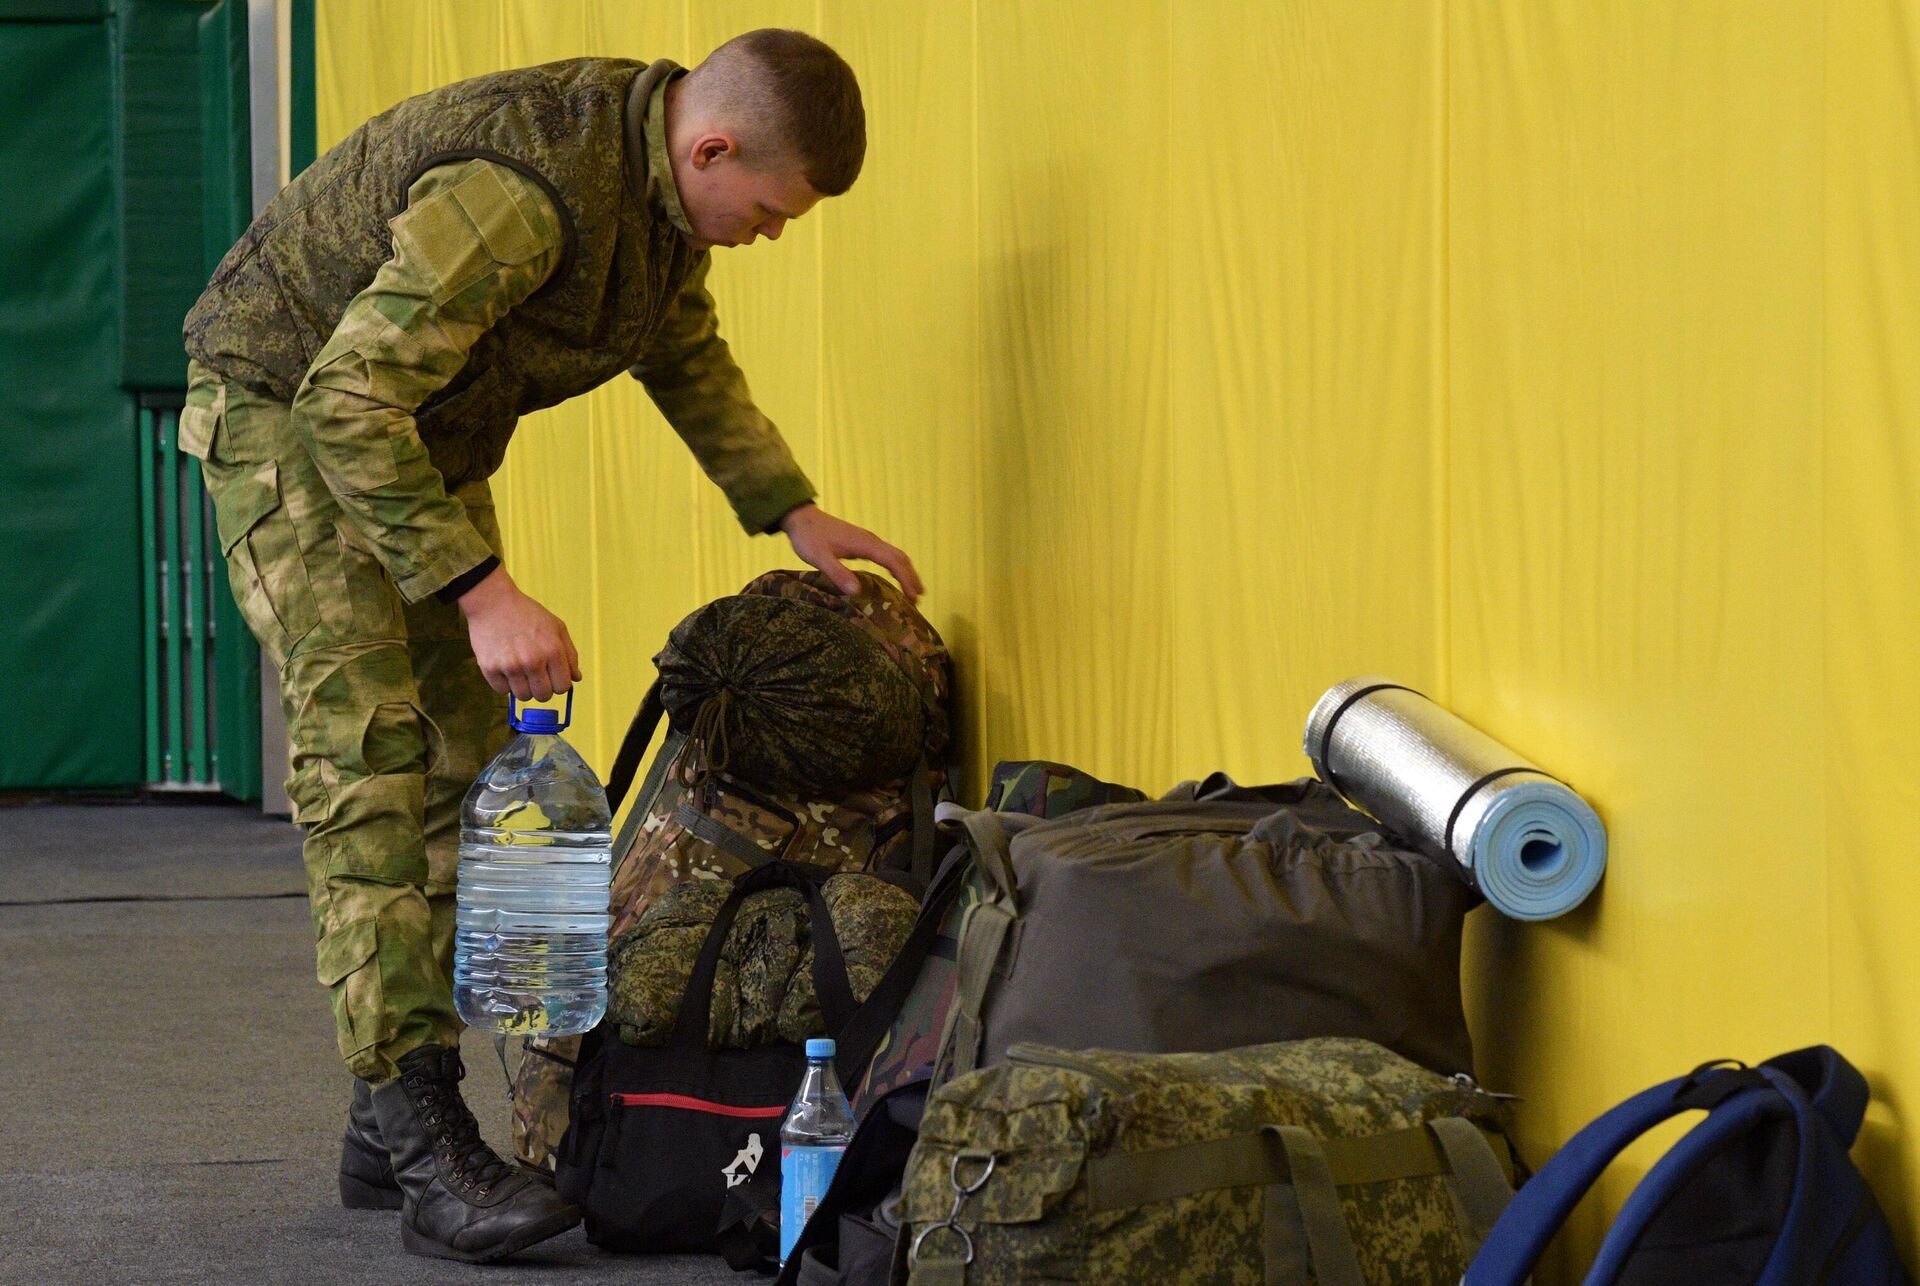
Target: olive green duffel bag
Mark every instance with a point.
(1330, 1162)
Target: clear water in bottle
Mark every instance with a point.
(536, 844)
(818, 1128)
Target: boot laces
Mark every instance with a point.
(455, 1132)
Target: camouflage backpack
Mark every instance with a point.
(1331, 1161)
(803, 726)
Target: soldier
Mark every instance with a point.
(359, 362)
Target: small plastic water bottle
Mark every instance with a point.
(818, 1128)
(536, 846)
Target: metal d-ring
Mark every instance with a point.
(968, 1189)
(961, 1191)
(956, 1229)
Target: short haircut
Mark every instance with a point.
(799, 96)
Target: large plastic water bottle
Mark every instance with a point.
(819, 1126)
(536, 845)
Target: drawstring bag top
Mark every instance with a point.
(790, 696)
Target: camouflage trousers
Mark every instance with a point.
(389, 718)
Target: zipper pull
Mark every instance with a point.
(1465, 1081)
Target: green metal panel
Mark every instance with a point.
(186, 745)
(126, 152)
(185, 172)
(150, 600)
(162, 238)
(227, 207)
(69, 489)
(302, 131)
(54, 10)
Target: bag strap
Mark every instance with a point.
(921, 790)
(1479, 1186)
(1834, 1086)
(829, 960)
(1733, 1097)
(861, 1037)
(981, 941)
(703, 826)
(1125, 1180)
(1310, 1231)
(634, 745)
(1304, 1224)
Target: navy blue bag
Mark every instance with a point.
(1761, 1191)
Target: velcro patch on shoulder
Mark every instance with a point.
(495, 209)
(435, 238)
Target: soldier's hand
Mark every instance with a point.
(521, 646)
(822, 540)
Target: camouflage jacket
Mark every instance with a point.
(469, 256)
(1205, 1169)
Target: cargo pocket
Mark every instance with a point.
(351, 464)
(310, 791)
(197, 424)
(994, 1187)
(365, 603)
(264, 566)
(347, 967)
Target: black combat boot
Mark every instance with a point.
(366, 1171)
(462, 1201)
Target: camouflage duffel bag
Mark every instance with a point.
(1333, 1162)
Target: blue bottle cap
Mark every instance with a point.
(540, 722)
(820, 1047)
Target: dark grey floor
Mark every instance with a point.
(173, 1099)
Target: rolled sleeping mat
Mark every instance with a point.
(1532, 847)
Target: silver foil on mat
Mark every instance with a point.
(1533, 846)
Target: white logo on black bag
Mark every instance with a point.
(741, 1168)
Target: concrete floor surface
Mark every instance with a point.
(174, 1097)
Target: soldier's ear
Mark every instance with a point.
(712, 148)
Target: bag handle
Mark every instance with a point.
(1834, 1086)
(981, 941)
(1311, 1229)
(1776, 1092)
(1734, 1099)
(829, 961)
(626, 764)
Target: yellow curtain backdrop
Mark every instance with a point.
(1555, 358)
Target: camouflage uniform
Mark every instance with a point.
(355, 381)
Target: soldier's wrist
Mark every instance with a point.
(455, 589)
(494, 587)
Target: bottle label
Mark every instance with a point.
(805, 1173)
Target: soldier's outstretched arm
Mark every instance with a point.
(690, 373)
(474, 240)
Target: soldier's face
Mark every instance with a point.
(731, 202)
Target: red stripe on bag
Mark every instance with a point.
(693, 1105)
